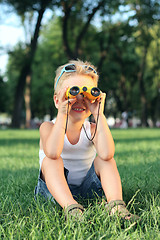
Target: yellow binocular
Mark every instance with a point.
(90, 93)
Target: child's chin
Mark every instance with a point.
(78, 115)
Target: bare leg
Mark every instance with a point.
(110, 180)
(53, 174)
(109, 177)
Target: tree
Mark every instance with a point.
(118, 65)
(146, 15)
(75, 43)
(21, 7)
(152, 77)
(115, 46)
(43, 69)
(81, 14)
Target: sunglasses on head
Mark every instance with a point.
(72, 68)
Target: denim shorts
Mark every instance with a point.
(89, 188)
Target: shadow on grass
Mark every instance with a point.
(18, 183)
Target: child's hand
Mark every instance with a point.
(94, 105)
(63, 103)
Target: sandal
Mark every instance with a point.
(74, 211)
(120, 207)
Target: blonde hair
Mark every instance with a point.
(79, 70)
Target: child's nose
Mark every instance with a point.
(80, 97)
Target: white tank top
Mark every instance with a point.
(77, 158)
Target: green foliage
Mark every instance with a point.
(115, 45)
(137, 157)
(146, 11)
(22, 7)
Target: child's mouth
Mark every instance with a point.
(76, 109)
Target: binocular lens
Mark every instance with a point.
(90, 93)
(95, 92)
(74, 90)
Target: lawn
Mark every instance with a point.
(138, 160)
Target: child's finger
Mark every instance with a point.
(63, 93)
(102, 97)
(72, 101)
(98, 98)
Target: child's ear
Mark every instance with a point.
(55, 101)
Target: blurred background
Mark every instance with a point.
(122, 38)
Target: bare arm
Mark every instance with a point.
(103, 139)
(52, 135)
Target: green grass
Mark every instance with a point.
(138, 160)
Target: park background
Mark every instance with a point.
(122, 38)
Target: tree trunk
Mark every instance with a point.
(74, 54)
(25, 71)
(118, 102)
(144, 113)
(16, 117)
(124, 92)
(27, 98)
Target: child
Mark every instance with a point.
(76, 157)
